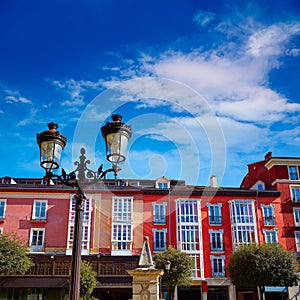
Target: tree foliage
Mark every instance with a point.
(13, 257)
(265, 265)
(88, 279)
(180, 268)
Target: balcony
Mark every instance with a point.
(36, 248)
(269, 221)
(215, 220)
(121, 248)
(103, 265)
(217, 247)
(218, 274)
(159, 247)
(159, 219)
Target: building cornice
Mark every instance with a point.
(282, 161)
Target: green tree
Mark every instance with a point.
(88, 279)
(265, 265)
(13, 257)
(181, 266)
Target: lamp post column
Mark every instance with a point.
(74, 293)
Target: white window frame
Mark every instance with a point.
(34, 214)
(295, 196)
(218, 239)
(243, 224)
(270, 235)
(297, 216)
(297, 240)
(86, 226)
(163, 238)
(197, 269)
(1, 230)
(293, 173)
(39, 246)
(122, 225)
(268, 214)
(219, 274)
(216, 207)
(159, 212)
(3, 201)
(189, 232)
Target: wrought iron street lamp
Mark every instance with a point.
(51, 144)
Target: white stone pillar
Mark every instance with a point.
(145, 283)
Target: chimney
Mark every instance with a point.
(213, 181)
(268, 155)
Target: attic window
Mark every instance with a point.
(162, 183)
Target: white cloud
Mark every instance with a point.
(293, 52)
(76, 90)
(271, 40)
(15, 97)
(203, 18)
(31, 118)
(230, 83)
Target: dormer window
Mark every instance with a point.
(293, 173)
(162, 183)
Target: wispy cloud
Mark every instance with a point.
(203, 18)
(30, 118)
(15, 97)
(76, 90)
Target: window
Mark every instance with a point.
(271, 236)
(85, 237)
(122, 239)
(218, 266)
(39, 210)
(216, 240)
(37, 239)
(86, 216)
(297, 239)
(297, 216)
(295, 192)
(268, 215)
(188, 225)
(2, 209)
(214, 214)
(242, 212)
(187, 211)
(189, 238)
(159, 239)
(122, 209)
(162, 183)
(196, 270)
(1, 230)
(159, 213)
(293, 172)
(122, 226)
(242, 222)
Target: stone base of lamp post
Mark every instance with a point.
(145, 283)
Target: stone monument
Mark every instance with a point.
(145, 278)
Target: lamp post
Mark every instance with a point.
(167, 268)
(51, 144)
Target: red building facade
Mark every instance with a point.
(208, 223)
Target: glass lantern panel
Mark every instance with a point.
(116, 147)
(50, 155)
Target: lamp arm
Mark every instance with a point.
(77, 177)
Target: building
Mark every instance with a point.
(281, 174)
(206, 222)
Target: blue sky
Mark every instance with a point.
(208, 86)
